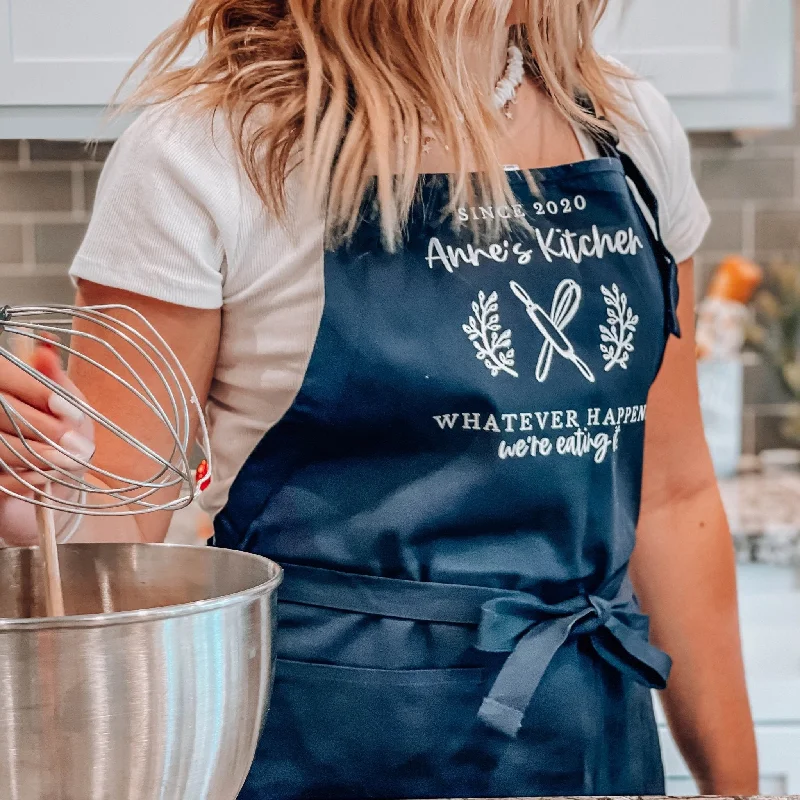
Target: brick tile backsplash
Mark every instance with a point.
(751, 183)
(777, 232)
(752, 186)
(42, 150)
(46, 192)
(9, 150)
(23, 290)
(33, 191)
(56, 243)
(91, 177)
(753, 190)
(11, 247)
(735, 175)
(727, 231)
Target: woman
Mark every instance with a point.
(458, 616)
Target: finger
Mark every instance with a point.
(16, 382)
(46, 361)
(33, 392)
(16, 456)
(14, 483)
(34, 424)
(32, 484)
(17, 525)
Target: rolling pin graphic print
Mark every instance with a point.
(566, 301)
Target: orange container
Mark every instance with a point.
(736, 280)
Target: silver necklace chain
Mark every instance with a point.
(505, 93)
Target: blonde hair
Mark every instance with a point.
(342, 90)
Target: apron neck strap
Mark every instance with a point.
(608, 145)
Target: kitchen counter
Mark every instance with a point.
(763, 510)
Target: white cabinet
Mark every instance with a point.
(62, 60)
(779, 762)
(770, 620)
(724, 64)
(54, 52)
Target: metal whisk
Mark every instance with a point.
(78, 333)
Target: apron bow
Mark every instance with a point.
(518, 623)
(532, 632)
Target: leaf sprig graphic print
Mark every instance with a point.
(484, 331)
(617, 335)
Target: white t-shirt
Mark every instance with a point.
(176, 219)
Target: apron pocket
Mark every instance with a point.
(336, 731)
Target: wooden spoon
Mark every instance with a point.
(54, 594)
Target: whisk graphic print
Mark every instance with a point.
(96, 337)
(566, 302)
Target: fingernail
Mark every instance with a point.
(60, 461)
(65, 410)
(38, 479)
(77, 445)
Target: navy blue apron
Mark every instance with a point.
(454, 495)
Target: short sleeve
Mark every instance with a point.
(164, 223)
(657, 143)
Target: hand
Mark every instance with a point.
(54, 418)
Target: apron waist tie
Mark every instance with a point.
(512, 622)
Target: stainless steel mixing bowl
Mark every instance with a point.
(156, 686)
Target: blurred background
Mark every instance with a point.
(729, 67)
(748, 170)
